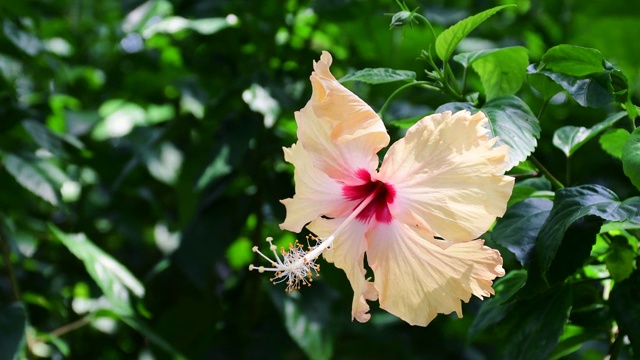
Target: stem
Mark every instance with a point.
(568, 171)
(424, 19)
(547, 173)
(543, 107)
(71, 326)
(425, 84)
(6, 257)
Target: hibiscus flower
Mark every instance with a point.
(413, 220)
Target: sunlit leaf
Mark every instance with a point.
(379, 76)
(174, 24)
(571, 138)
(518, 229)
(113, 278)
(620, 259)
(146, 13)
(573, 60)
(30, 174)
(613, 142)
(574, 203)
(501, 71)
(450, 38)
(511, 120)
(631, 158)
(239, 253)
(13, 322)
(534, 187)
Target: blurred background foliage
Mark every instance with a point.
(140, 147)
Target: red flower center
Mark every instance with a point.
(384, 194)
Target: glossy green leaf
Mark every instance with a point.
(379, 76)
(631, 158)
(571, 138)
(13, 323)
(594, 91)
(574, 60)
(612, 142)
(624, 302)
(32, 176)
(145, 14)
(518, 229)
(574, 203)
(511, 120)
(115, 280)
(543, 84)
(454, 107)
(535, 187)
(450, 38)
(502, 71)
(539, 325)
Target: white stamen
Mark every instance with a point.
(297, 265)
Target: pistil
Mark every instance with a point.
(297, 265)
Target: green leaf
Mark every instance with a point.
(574, 60)
(518, 229)
(538, 187)
(306, 317)
(538, 325)
(571, 138)
(174, 24)
(32, 176)
(546, 87)
(112, 277)
(494, 309)
(574, 203)
(150, 335)
(594, 91)
(511, 120)
(631, 158)
(454, 107)
(501, 71)
(379, 76)
(624, 302)
(612, 142)
(13, 322)
(145, 14)
(450, 38)
(620, 259)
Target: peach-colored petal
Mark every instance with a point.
(447, 176)
(316, 193)
(347, 253)
(339, 130)
(418, 277)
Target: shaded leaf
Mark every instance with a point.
(13, 322)
(151, 335)
(518, 229)
(574, 203)
(573, 60)
(32, 177)
(538, 187)
(379, 76)
(612, 142)
(494, 309)
(511, 120)
(625, 307)
(543, 84)
(112, 277)
(571, 138)
(454, 107)
(450, 38)
(594, 91)
(539, 325)
(631, 158)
